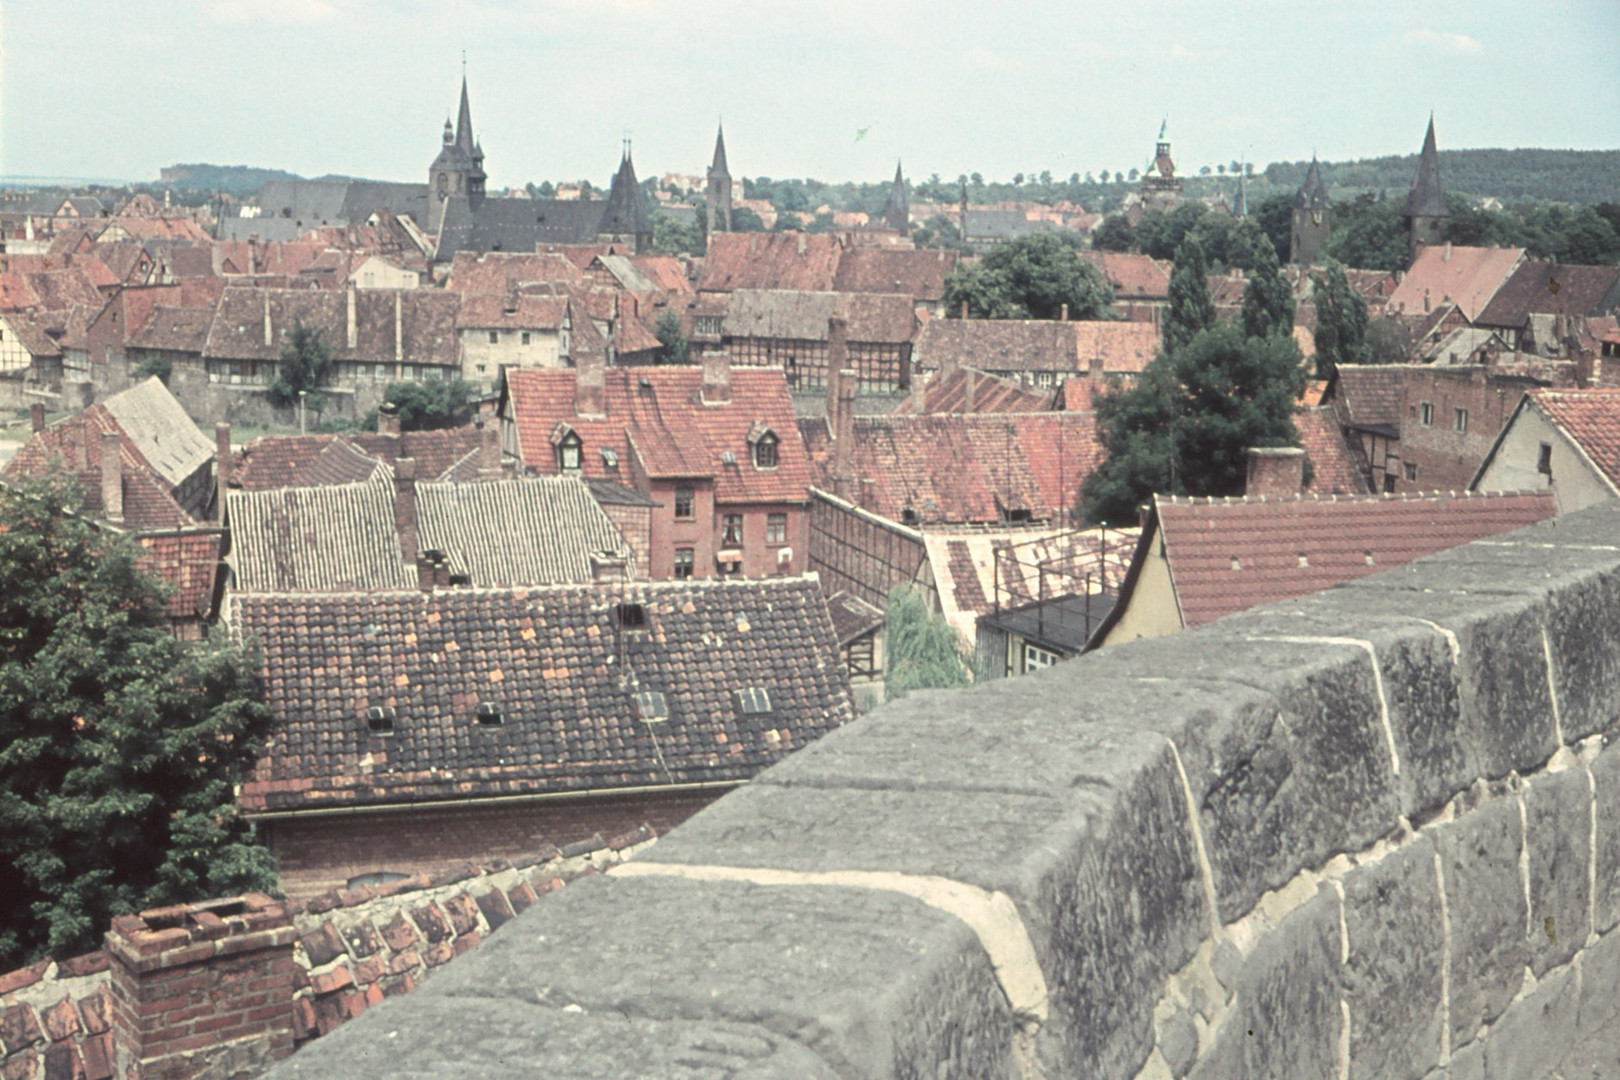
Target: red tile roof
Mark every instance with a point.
(655, 415)
(1370, 395)
(499, 272)
(1227, 555)
(1122, 346)
(805, 261)
(563, 674)
(277, 461)
(189, 562)
(947, 392)
(962, 469)
(998, 345)
(1335, 470)
(1544, 288)
(1132, 277)
(918, 273)
(1591, 419)
(1467, 276)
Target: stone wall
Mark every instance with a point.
(1370, 833)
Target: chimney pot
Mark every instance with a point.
(1063, 313)
(112, 477)
(388, 418)
(1275, 471)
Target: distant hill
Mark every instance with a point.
(1574, 176)
(235, 179)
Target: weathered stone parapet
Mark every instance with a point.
(1369, 833)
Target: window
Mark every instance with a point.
(683, 563)
(488, 714)
(632, 617)
(731, 530)
(908, 516)
(1389, 483)
(380, 719)
(1544, 460)
(494, 337)
(1411, 471)
(683, 502)
(376, 879)
(651, 706)
(776, 528)
(1426, 414)
(1037, 657)
(569, 453)
(754, 701)
(765, 451)
(1459, 420)
(525, 337)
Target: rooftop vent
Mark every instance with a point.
(728, 458)
(610, 458)
(380, 719)
(652, 707)
(489, 714)
(753, 701)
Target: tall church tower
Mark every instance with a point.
(459, 168)
(624, 219)
(1161, 187)
(897, 210)
(1426, 213)
(717, 198)
(1313, 218)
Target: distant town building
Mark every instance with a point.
(1313, 218)
(1425, 212)
(717, 196)
(1161, 187)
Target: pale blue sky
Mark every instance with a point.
(97, 88)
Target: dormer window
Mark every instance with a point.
(570, 448)
(763, 442)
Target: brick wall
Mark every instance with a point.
(326, 852)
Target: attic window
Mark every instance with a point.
(380, 719)
(1544, 459)
(908, 516)
(652, 707)
(488, 714)
(570, 452)
(727, 457)
(610, 458)
(1015, 517)
(753, 701)
(632, 617)
(765, 451)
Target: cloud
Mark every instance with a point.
(1460, 44)
(272, 12)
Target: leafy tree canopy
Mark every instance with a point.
(669, 335)
(1191, 309)
(924, 650)
(119, 745)
(427, 406)
(304, 363)
(1268, 300)
(1114, 234)
(1186, 425)
(1030, 277)
(1341, 321)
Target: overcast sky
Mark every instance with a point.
(834, 89)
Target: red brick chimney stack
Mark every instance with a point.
(405, 507)
(388, 418)
(590, 387)
(489, 449)
(716, 388)
(112, 477)
(1275, 472)
(844, 446)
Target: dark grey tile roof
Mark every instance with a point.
(563, 675)
(516, 224)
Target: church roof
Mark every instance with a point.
(718, 167)
(1426, 199)
(896, 211)
(625, 215)
(516, 224)
(1313, 193)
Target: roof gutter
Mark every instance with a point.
(496, 800)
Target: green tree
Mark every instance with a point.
(1186, 425)
(1369, 234)
(745, 220)
(1159, 234)
(304, 363)
(1341, 321)
(1268, 299)
(670, 237)
(1191, 309)
(1114, 234)
(428, 406)
(675, 344)
(119, 744)
(1275, 216)
(924, 650)
(1031, 277)
(939, 231)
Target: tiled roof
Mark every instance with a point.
(1370, 394)
(965, 468)
(52, 290)
(317, 539)
(426, 323)
(1334, 469)
(340, 462)
(563, 675)
(802, 316)
(174, 329)
(1122, 346)
(189, 562)
(852, 617)
(1132, 277)
(1227, 555)
(498, 272)
(521, 312)
(1544, 288)
(516, 224)
(656, 415)
(998, 344)
(163, 434)
(32, 331)
(753, 260)
(919, 274)
(538, 531)
(1591, 419)
(947, 392)
(274, 461)
(1466, 276)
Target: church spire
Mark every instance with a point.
(464, 131)
(1313, 193)
(1426, 198)
(624, 219)
(718, 167)
(717, 195)
(897, 210)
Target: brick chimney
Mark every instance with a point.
(844, 438)
(1094, 369)
(203, 990)
(970, 389)
(716, 389)
(405, 507)
(351, 322)
(388, 418)
(489, 448)
(36, 416)
(608, 566)
(222, 466)
(590, 387)
(112, 477)
(1275, 472)
(269, 336)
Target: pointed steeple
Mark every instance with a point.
(1427, 199)
(625, 218)
(718, 167)
(464, 132)
(1313, 193)
(1240, 204)
(897, 210)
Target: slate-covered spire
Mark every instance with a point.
(625, 218)
(718, 167)
(1427, 199)
(897, 210)
(717, 194)
(1313, 193)
(464, 131)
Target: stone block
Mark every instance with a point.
(1535, 1032)
(877, 983)
(322, 945)
(1479, 854)
(1558, 809)
(1177, 1041)
(1606, 782)
(1600, 986)
(1467, 1063)
(1392, 980)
